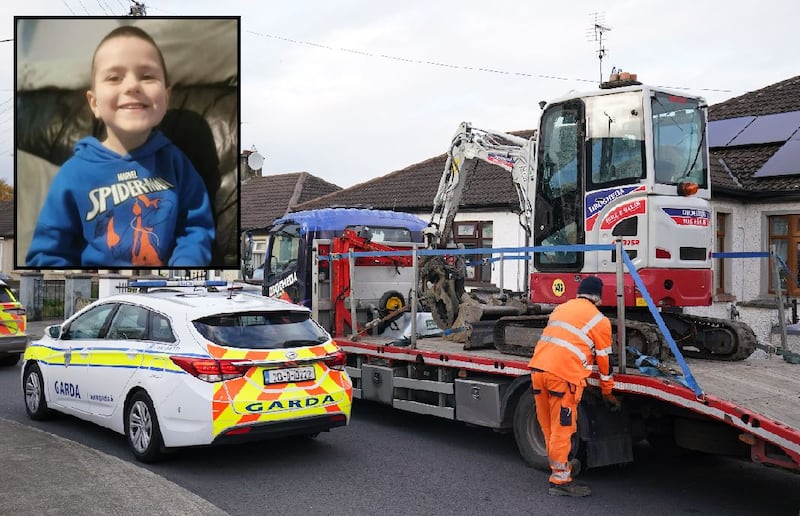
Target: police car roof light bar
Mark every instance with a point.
(176, 283)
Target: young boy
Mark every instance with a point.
(130, 198)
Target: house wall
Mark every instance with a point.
(507, 233)
(748, 280)
(6, 255)
(744, 234)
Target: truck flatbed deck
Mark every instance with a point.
(765, 390)
(757, 396)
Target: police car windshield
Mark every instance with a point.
(262, 330)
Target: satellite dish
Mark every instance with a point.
(255, 160)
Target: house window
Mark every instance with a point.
(722, 245)
(784, 234)
(473, 235)
(259, 250)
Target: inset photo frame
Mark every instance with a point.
(127, 143)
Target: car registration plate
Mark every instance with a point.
(294, 374)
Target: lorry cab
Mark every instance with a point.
(289, 253)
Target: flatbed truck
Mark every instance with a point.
(363, 292)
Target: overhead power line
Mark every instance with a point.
(68, 7)
(451, 66)
(101, 7)
(84, 7)
(415, 61)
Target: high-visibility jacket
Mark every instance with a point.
(577, 337)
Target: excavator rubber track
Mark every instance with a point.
(711, 338)
(696, 337)
(645, 337)
(517, 335)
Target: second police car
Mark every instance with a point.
(12, 327)
(176, 367)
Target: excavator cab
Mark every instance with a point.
(626, 163)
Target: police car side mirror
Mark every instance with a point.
(54, 331)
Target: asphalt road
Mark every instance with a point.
(390, 462)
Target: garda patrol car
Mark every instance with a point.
(12, 327)
(176, 367)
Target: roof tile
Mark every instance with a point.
(413, 188)
(780, 97)
(265, 198)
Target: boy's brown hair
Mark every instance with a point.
(133, 32)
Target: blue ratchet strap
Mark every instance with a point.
(688, 378)
(741, 254)
(690, 381)
(651, 366)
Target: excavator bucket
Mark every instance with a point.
(442, 285)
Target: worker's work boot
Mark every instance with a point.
(570, 489)
(575, 464)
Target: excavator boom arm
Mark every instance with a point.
(442, 278)
(512, 153)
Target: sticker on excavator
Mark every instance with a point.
(558, 287)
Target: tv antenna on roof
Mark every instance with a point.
(137, 9)
(595, 33)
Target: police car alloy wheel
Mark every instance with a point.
(141, 427)
(33, 386)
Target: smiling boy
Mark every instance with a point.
(129, 198)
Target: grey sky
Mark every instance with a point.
(354, 89)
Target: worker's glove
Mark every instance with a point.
(611, 401)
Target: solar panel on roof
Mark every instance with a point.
(785, 162)
(777, 127)
(720, 132)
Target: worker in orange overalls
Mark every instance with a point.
(577, 336)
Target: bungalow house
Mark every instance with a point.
(754, 142)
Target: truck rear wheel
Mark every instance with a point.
(528, 433)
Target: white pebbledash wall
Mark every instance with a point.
(748, 278)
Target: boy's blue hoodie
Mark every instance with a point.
(148, 208)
